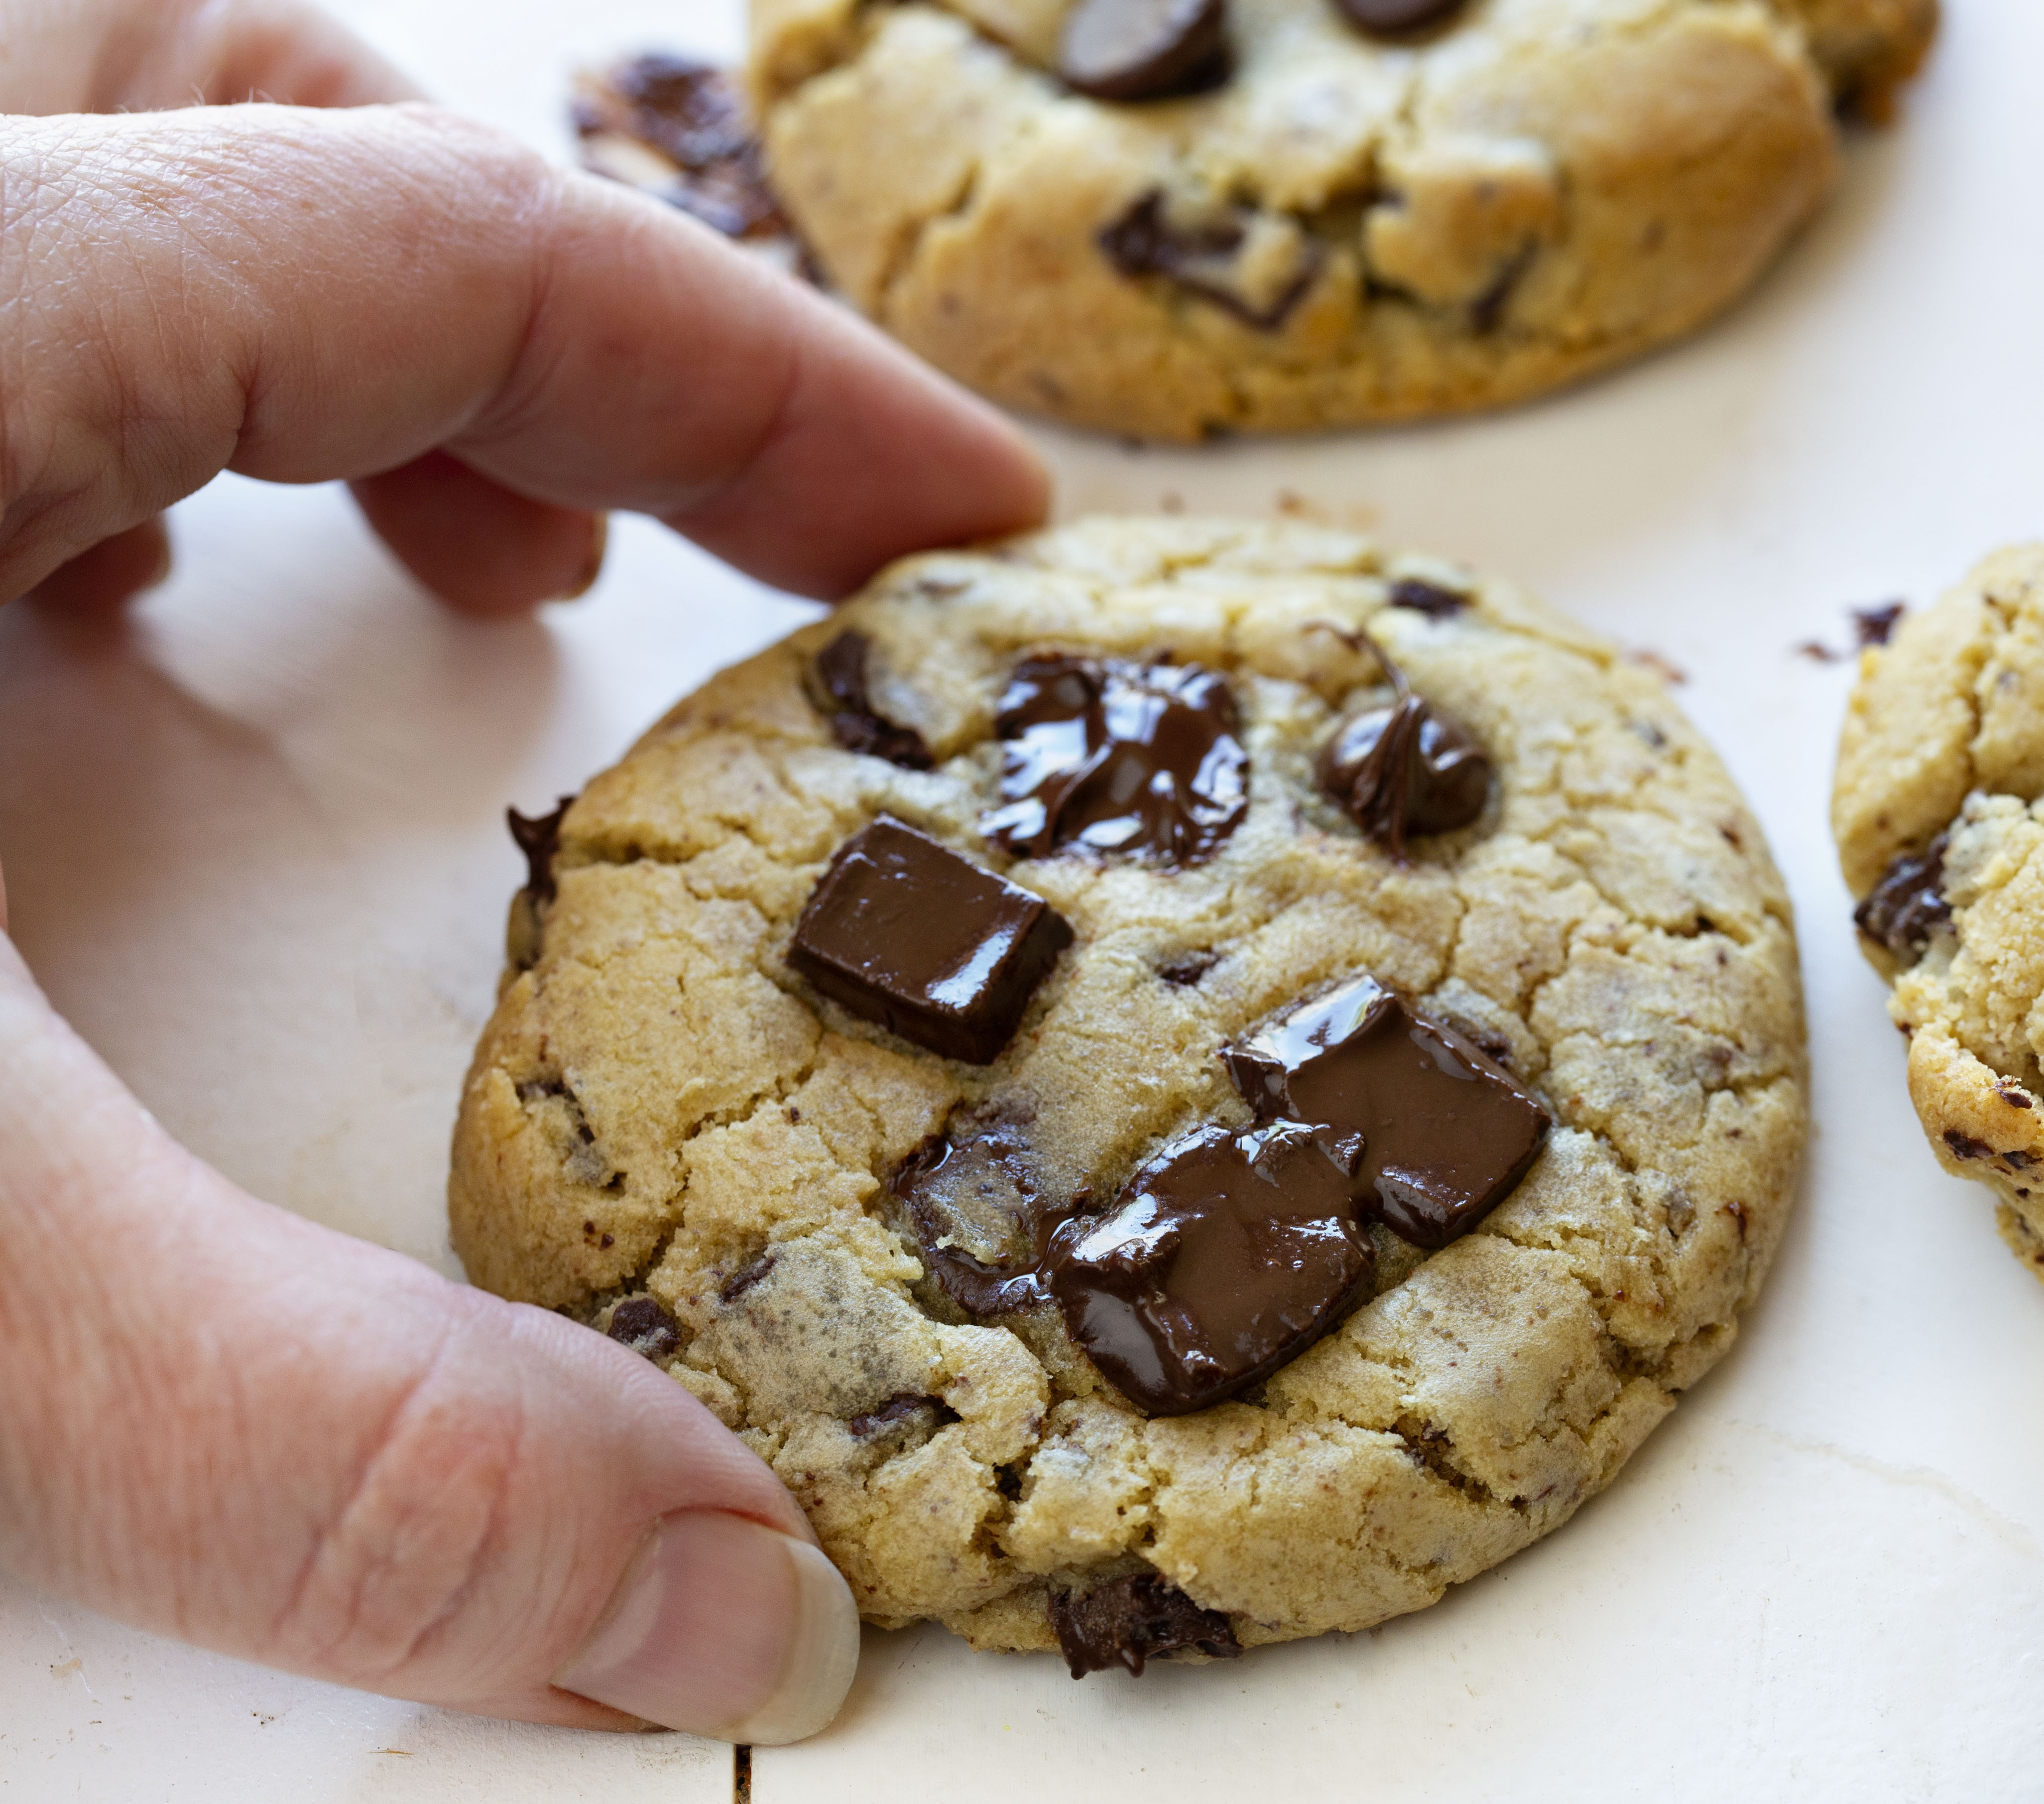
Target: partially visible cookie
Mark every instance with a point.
(1938, 812)
(1176, 217)
(1187, 1084)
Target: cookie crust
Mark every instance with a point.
(1943, 743)
(660, 1106)
(1537, 191)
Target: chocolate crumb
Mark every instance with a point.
(1666, 669)
(1874, 625)
(1184, 973)
(1128, 1621)
(641, 1323)
(736, 1286)
(1818, 653)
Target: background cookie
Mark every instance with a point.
(670, 1133)
(1942, 839)
(1290, 216)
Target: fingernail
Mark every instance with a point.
(599, 543)
(724, 1628)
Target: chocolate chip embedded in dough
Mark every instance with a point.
(539, 837)
(1140, 760)
(680, 130)
(970, 1197)
(641, 1323)
(1224, 1257)
(904, 932)
(1393, 18)
(1127, 1621)
(1433, 1131)
(1256, 266)
(1429, 598)
(1907, 906)
(1143, 49)
(855, 724)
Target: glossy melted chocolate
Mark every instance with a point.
(1141, 760)
(1432, 1132)
(1143, 49)
(1907, 906)
(1225, 1256)
(903, 931)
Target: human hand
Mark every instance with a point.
(221, 1421)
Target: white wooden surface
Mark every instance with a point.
(253, 847)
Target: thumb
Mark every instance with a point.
(227, 1424)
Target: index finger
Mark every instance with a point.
(302, 296)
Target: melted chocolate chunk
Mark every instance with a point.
(1873, 626)
(1433, 1132)
(643, 1325)
(1206, 257)
(970, 1197)
(1407, 768)
(840, 674)
(1907, 906)
(1428, 598)
(1119, 757)
(1393, 18)
(1143, 49)
(539, 837)
(903, 931)
(1227, 1255)
(693, 116)
(1128, 1621)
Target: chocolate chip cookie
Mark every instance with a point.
(1939, 816)
(1186, 1084)
(1175, 218)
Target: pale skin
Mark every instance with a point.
(220, 1422)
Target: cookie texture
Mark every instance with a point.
(668, 1133)
(1940, 830)
(1337, 226)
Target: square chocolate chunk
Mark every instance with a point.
(1434, 1132)
(903, 931)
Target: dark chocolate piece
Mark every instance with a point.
(1227, 1255)
(1128, 1621)
(694, 115)
(1203, 258)
(1407, 768)
(1142, 49)
(904, 1407)
(855, 724)
(972, 1200)
(1873, 626)
(903, 931)
(1393, 18)
(643, 1325)
(1433, 1131)
(539, 837)
(1185, 973)
(1118, 757)
(1428, 598)
(1907, 906)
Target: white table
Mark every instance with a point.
(254, 846)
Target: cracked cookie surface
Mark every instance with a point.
(1938, 812)
(1345, 228)
(668, 1134)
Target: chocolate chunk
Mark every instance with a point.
(1965, 1146)
(1119, 757)
(1406, 768)
(1143, 49)
(643, 1325)
(692, 118)
(905, 1408)
(971, 1198)
(1428, 598)
(1907, 906)
(1873, 626)
(1128, 1621)
(840, 674)
(539, 837)
(1392, 18)
(903, 931)
(1206, 257)
(1227, 1255)
(1185, 973)
(1433, 1131)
